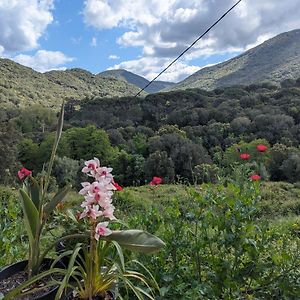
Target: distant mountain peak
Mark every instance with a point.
(274, 60)
(137, 80)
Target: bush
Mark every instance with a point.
(13, 243)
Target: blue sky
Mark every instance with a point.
(142, 36)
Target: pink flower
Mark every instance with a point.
(255, 177)
(109, 212)
(104, 173)
(156, 181)
(91, 166)
(102, 230)
(245, 156)
(91, 212)
(86, 187)
(23, 173)
(261, 148)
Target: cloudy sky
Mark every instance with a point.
(141, 36)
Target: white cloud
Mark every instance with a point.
(114, 57)
(165, 28)
(44, 61)
(93, 41)
(23, 22)
(149, 67)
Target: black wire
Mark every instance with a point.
(188, 48)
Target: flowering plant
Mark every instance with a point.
(36, 207)
(97, 267)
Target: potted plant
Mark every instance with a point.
(95, 268)
(37, 208)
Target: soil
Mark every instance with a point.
(108, 296)
(15, 280)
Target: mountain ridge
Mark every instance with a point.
(274, 60)
(22, 86)
(137, 80)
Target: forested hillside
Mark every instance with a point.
(273, 61)
(187, 135)
(21, 86)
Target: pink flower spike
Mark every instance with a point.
(23, 173)
(102, 230)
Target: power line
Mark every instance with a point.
(189, 47)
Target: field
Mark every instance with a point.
(230, 240)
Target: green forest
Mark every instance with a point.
(187, 136)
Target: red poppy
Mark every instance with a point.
(156, 181)
(23, 173)
(117, 186)
(261, 148)
(255, 177)
(245, 156)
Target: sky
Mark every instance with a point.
(141, 36)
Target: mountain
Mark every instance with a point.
(274, 60)
(22, 86)
(137, 80)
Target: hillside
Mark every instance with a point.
(137, 80)
(274, 60)
(21, 86)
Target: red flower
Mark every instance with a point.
(261, 148)
(23, 173)
(245, 156)
(156, 181)
(117, 186)
(255, 177)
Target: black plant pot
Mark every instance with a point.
(21, 266)
(69, 296)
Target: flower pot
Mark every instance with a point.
(110, 295)
(19, 267)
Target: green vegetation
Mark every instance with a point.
(234, 241)
(21, 86)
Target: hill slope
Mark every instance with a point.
(21, 86)
(274, 60)
(137, 80)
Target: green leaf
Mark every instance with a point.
(31, 215)
(54, 148)
(18, 290)
(136, 240)
(35, 193)
(49, 207)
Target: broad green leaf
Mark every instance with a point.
(31, 215)
(35, 193)
(136, 240)
(49, 207)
